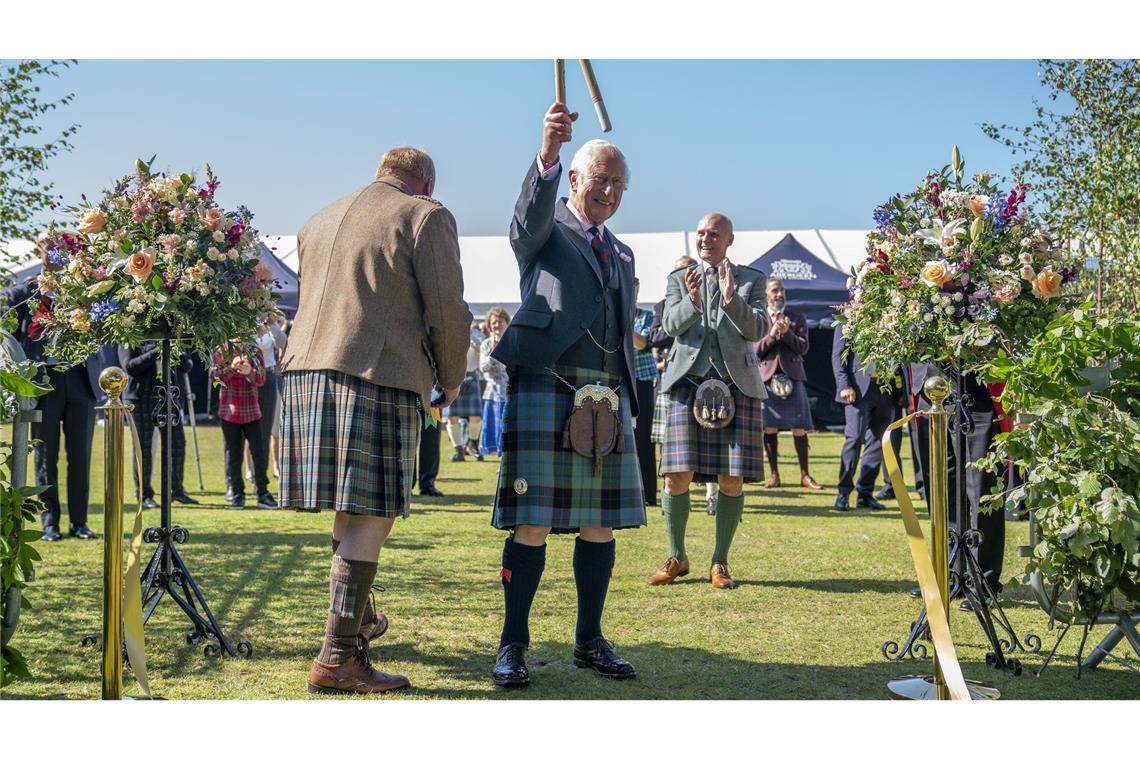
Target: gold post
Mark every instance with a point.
(113, 381)
(937, 389)
(559, 80)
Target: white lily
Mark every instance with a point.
(944, 236)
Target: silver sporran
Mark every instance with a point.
(713, 406)
(781, 385)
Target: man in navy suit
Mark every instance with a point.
(867, 411)
(69, 404)
(573, 329)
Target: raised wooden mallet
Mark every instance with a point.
(591, 85)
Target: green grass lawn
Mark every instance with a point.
(820, 592)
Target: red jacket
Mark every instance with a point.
(237, 402)
(787, 353)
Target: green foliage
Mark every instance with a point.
(1080, 453)
(1083, 161)
(17, 507)
(24, 153)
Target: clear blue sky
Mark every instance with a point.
(774, 144)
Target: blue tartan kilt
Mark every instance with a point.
(660, 412)
(791, 412)
(737, 449)
(469, 402)
(558, 487)
(347, 444)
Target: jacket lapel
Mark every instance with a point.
(573, 232)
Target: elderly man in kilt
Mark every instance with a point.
(381, 312)
(572, 332)
(716, 312)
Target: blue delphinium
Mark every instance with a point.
(57, 258)
(245, 212)
(100, 310)
(995, 212)
(883, 216)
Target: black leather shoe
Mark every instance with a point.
(599, 655)
(886, 492)
(841, 504)
(510, 667)
(237, 502)
(148, 502)
(81, 531)
(183, 498)
(229, 495)
(266, 501)
(430, 491)
(869, 502)
(916, 593)
(51, 533)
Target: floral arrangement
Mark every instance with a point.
(956, 272)
(155, 256)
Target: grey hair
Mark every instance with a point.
(412, 161)
(585, 156)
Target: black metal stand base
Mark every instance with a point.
(167, 575)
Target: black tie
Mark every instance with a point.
(601, 252)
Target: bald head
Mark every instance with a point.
(714, 236)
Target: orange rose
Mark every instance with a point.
(92, 222)
(935, 273)
(139, 264)
(210, 218)
(1047, 283)
(978, 204)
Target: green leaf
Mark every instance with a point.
(21, 386)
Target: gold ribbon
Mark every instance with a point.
(924, 567)
(132, 595)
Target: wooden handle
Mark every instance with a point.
(595, 94)
(559, 80)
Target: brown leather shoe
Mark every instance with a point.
(357, 676)
(773, 481)
(720, 578)
(669, 572)
(808, 482)
(374, 628)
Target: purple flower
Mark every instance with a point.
(100, 310)
(57, 258)
(996, 212)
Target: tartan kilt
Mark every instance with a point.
(791, 412)
(347, 444)
(561, 490)
(737, 449)
(660, 412)
(469, 402)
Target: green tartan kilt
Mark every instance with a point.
(347, 444)
(543, 484)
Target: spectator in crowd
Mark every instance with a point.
(646, 377)
(143, 366)
(465, 415)
(716, 312)
(70, 404)
(867, 413)
(383, 260)
(495, 375)
(271, 343)
(241, 372)
(782, 353)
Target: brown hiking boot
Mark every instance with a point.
(375, 623)
(720, 578)
(669, 572)
(357, 676)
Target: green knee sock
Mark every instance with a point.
(676, 509)
(728, 512)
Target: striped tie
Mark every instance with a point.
(601, 252)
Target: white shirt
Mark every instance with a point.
(273, 339)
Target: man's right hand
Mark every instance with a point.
(848, 395)
(450, 394)
(557, 128)
(695, 281)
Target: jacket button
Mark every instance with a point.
(597, 299)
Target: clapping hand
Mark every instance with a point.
(694, 281)
(727, 281)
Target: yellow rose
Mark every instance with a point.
(978, 204)
(1047, 283)
(935, 273)
(139, 264)
(92, 222)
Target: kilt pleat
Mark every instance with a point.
(347, 444)
(660, 412)
(791, 412)
(469, 402)
(559, 488)
(736, 450)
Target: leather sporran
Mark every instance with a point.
(713, 406)
(781, 385)
(593, 428)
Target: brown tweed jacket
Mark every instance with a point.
(381, 293)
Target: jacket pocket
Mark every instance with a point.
(532, 318)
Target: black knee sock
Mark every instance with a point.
(522, 570)
(593, 565)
